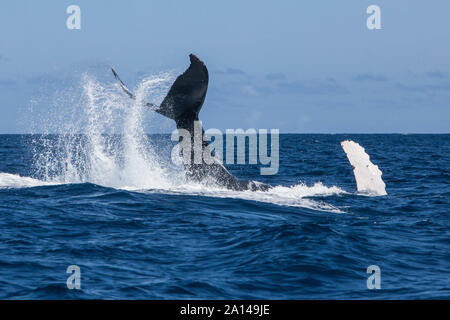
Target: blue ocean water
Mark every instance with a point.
(136, 231)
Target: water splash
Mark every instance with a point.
(104, 144)
(102, 140)
(8, 180)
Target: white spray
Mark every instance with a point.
(102, 140)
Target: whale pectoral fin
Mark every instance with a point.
(367, 175)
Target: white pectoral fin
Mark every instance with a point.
(367, 175)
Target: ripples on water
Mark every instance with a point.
(116, 206)
(176, 242)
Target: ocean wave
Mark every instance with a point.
(8, 180)
(294, 196)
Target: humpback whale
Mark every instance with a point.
(182, 104)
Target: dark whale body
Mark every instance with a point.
(182, 104)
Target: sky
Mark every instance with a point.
(298, 66)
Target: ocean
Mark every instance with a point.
(116, 207)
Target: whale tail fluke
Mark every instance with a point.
(182, 104)
(185, 97)
(187, 94)
(122, 85)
